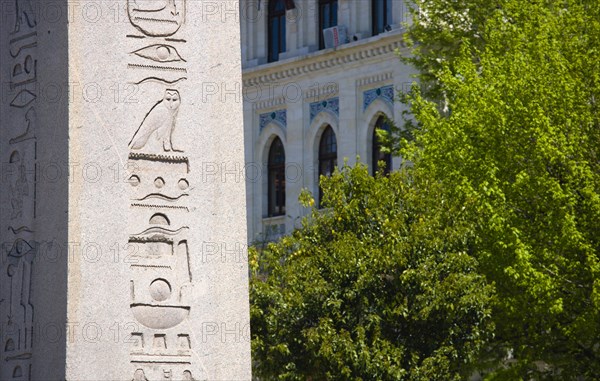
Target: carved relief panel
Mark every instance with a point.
(157, 18)
(160, 267)
(19, 185)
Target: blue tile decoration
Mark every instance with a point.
(385, 93)
(331, 105)
(279, 117)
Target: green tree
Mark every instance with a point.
(438, 29)
(368, 289)
(514, 151)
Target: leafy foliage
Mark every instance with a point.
(499, 208)
(437, 31)
(516, 147)
(369, 290)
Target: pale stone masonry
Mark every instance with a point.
(347, 87)
(123, 230)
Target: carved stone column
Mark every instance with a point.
(122, 191)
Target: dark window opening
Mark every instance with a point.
(276, 179)
(327, 156)
(328, 17)
(378, 155)
(276, 29)
(381, 12)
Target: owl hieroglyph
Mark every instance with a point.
(159, 123)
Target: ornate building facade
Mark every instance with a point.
(318, 77)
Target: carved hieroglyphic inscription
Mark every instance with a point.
(20, 160)
(160, 270)
(157, 57)
(160, 53)
(157, 18)
(158, 124)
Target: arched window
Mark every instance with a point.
(377, 154)
(327, 155)
(328, 17)
(381, 11)
(276, 179)
(276, 26)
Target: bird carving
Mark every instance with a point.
(159, 123)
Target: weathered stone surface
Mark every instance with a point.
(123, 222)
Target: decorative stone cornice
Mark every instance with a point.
(270, 103)
(377, 78)
(318, 93)
(378, 46)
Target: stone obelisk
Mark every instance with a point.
(122, 197)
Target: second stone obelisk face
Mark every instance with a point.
(18, 186)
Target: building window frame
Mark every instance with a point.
(276, 29)
(381, 16)
(328, 18)
(328, 154)
(276, 179)
(377, 154)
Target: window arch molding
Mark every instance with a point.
(276, 178)
(327, 155)
(375, 148)
(315, 130)
(258, 172)
(319, 122)
(268, 133)
(377, 109)
(313, 139)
